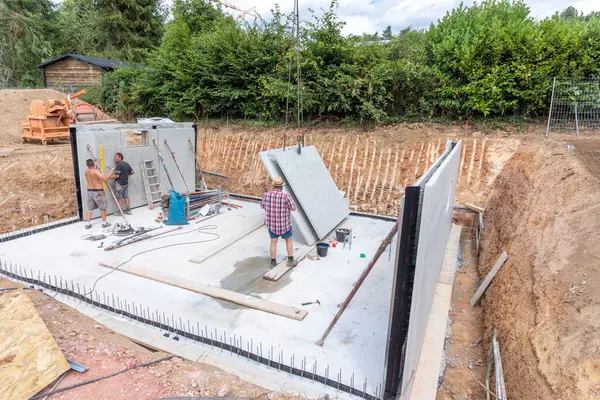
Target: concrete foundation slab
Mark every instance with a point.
(355, 347)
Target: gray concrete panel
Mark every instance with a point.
(113, 139)
(435, 224)
(300, 222)
(316, 191)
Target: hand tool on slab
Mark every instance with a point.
(312, 302)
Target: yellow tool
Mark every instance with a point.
(102, 166)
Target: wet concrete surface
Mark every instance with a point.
(247, 278)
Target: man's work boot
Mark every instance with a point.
(291, 263)
(273, 263)
(106, 225)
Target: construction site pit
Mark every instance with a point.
(540, 197)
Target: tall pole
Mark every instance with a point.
(551, 104)
(298, 67)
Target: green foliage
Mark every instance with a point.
(25, 30)
(119, 29)
(486, 60)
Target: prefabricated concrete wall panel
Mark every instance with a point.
(316, 191)
(178, 137)
(300, 222)
(437, 202)
(113, 138)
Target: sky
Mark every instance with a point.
(370, 16)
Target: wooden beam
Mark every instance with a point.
(281, 269)
(214, 292)
(474, 207)
(488, 279)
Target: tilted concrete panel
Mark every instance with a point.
(316, 191)
(437, 200)
(300, 222)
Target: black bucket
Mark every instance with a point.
(322, 249)
(341, 234)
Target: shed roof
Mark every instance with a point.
(100, 62)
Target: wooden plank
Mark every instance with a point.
(30, 359)
(488, 279)
(281, 269)
(214, 292)
(474, 207)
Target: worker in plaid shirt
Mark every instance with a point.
(277, 206)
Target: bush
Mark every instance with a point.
(490, 59)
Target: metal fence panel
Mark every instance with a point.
(574, 106)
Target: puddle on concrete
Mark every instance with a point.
(247, 278)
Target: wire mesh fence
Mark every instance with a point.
(574, 106)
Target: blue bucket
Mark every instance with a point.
(322, 249)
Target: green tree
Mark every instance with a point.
(26, 27)
(570, 12)
(387, 33)
(129, 27)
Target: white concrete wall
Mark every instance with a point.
(112, 137)
(436, 221)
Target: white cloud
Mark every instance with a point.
(369, 16)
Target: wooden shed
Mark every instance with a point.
(71, 71)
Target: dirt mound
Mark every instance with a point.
(14, 105)
(36, 186)
(544, 302)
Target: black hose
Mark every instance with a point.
(38, 396)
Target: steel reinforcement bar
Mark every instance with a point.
(161, 321)
(5, 237)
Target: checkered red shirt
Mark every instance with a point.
(277, 206)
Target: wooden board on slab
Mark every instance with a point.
(281, 269)
(30, 359)
(214, 292)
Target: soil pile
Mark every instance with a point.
(544, 302)
(36, 186)
(14, 105)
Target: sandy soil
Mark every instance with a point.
(466, 357)
(545, 213)
(85, 341)
(36, 185)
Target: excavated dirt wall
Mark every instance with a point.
(544, 302)
(372, 168)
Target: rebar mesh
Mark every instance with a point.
(574, 106)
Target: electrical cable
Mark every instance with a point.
(63, 389)
(200, 230)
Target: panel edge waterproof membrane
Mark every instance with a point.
(300, 222)
(314, 187)
(435, 222)
(409, 284)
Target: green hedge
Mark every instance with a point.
(491, 59)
